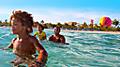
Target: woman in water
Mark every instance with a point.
(57, 37)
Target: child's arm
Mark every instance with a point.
(50, 38)
(41, 50)
(10, 45)
(35, 33)
(62, 39)
(45, 36)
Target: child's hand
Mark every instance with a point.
(36, 64)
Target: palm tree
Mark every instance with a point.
(96, 27)
(42, 21)
(0, 23)
(84, 25)
(6, 20)
(115, 22)
(59, 24)
(91, 26)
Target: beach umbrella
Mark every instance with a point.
(105, 22)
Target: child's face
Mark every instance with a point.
(16, 26)
(56, 30)
(39, 28)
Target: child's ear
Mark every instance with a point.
(29, 30)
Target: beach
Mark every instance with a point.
(102, 32)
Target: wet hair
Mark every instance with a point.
(40, 26)
(25, 18)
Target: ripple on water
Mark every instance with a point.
(84, 50)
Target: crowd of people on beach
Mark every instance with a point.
(25, 45)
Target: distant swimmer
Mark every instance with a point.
(40, 33)
(57, 37)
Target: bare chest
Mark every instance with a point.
(22, 44)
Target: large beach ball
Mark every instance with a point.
(105, 22)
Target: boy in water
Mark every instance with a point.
(25, 45)
(40, 33)
(57, 37)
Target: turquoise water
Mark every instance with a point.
(84, 50)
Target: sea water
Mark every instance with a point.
(84, 49)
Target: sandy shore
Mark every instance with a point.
(103, 32)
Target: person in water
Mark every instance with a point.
(40, 33)
(25, 45)
(57, 37)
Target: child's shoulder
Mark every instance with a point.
(61, 36)
(36, 32)
(33, 38)
(43, 32)
(52, 36)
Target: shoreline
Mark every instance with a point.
(101, 32)
(81, 31)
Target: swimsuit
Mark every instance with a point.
(25, 60)
(41, 36)
(56, 40)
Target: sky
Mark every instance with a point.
(62, 11)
